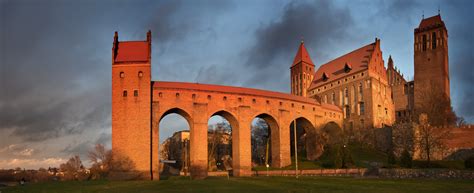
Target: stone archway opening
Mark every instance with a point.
(219, 139)
(174, 147)
(264, 139)
(306, 138)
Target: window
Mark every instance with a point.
(122, 74)
(333, 98)
(124, 93)
(424, 42)
(433, 40)
(361, 108)
(360, 91)
(135, 93)
(348, 112)
(386, 111)
(140, 74)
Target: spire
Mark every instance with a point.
(302, 56)
(390, 62)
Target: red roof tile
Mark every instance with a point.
(237, 90)
(357, 60)
(302, 56)
(132, 51)
(430, 22)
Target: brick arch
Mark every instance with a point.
(234, 123)
(178, 111)
(274, 130)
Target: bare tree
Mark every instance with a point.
(436, 105)
(260, 136)
(105, 161)
(73, 168)
(403, 137)
(430, 139)
(101, 161)
(218, 143)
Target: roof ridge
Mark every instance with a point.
(370, 50)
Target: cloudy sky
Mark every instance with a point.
(55, 56)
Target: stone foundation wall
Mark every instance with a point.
(426, 173)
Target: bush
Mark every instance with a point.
(391, 159)
(469, 163)
(406, 160)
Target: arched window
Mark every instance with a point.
(424, 42)
(140, 74)
(333, 98)
(122, 74)
(124, 93)
(433, 40)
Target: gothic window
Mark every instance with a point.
(361, 108)
(348, 112)
(124, 93)
(135, 93)
(424, 42)
(433, 40)
(333, 98)
(360, 90)
(122, 74)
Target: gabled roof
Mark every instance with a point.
(132, 51)
(430, 22)
(302, 56)
(356, 60)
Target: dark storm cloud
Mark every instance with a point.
(320, 23)
(175, 20)
(54, 80)
(461, 55)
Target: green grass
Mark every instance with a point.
(252, 184)
(361, 155)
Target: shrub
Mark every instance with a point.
(406, 159)
(391, 158)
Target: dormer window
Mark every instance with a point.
(347, 68)
(325, 77)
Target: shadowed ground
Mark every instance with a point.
(253, 184)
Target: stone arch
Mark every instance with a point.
(234, 124)
(178, 111)
(307, 131)
(274, 130)
(184, 114)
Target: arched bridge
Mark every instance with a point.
(198, 102)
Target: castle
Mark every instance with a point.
(370, 95)
(354, 92)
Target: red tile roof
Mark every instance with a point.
(357, 60)
(430, 22)
(238, 91)
(302, 56)
(132, 51)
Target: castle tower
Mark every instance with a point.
(131, 100)
(302, 71)
(431, 57)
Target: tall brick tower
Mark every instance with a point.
(431, 57)
(302, 71)
(131, 100)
